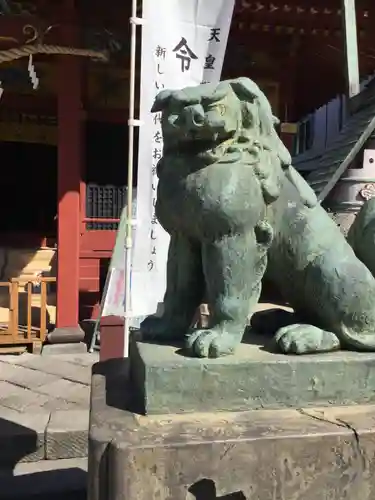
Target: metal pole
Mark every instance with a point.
(351, 47)
(128, 238)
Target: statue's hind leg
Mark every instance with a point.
(234, 267)
(338, 299)
(305, 339)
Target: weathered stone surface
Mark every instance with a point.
(61, 368)
(76, 393)
(66, 434)
(253, 378)
(24, 377)
(55, 404)
(57, 349)
(35, 386)
(286, 454)
(19, 398)
(21, 437)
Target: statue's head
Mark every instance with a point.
(233, 116)
(198, 119)
(204, 117)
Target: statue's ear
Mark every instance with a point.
(212, 93)
(245, 89)
(304, 190)
(161, 101)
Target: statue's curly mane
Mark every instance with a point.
(260, 145)
(256, 140)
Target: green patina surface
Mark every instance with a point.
(238, 212)
(251, 379)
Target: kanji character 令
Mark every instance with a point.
(184, 52)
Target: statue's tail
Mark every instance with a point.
(361, 235)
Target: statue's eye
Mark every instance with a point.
(218, 108)
(221, 109)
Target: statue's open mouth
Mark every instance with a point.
(193, 144)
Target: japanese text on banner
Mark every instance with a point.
(182, 45)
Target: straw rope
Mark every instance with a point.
(27, 50)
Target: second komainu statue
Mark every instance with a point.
(237, 212)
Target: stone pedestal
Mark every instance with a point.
(305, 445)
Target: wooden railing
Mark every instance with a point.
(24, 326)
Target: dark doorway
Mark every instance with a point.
(28, 201)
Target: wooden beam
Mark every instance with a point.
(351, 47)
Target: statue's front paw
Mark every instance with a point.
(305, 339)
(212, 343)
(158, 328)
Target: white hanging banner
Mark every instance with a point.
(183, 44)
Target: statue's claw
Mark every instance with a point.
(158, 328)
(305, 339)
(212, 343)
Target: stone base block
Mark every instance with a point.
(66, 335)
(254, 378)
(58, 349)
(291, 454)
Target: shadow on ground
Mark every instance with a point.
(21, 479)
(205, 489)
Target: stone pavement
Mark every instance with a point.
(44, 407)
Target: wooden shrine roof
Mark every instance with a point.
(327, 167)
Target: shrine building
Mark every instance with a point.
(64, 134)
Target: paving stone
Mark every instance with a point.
(14, 359)
(36, 387)
(55, 404)
(25, 377)
(62, 368)
(18, 398)
(87, 359)
(67, 390)
(8, 389)
(67, 434)
(22, 436)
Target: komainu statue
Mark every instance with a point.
(238, 212)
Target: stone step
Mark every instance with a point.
(34, 437)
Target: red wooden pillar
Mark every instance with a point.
(70, 128)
